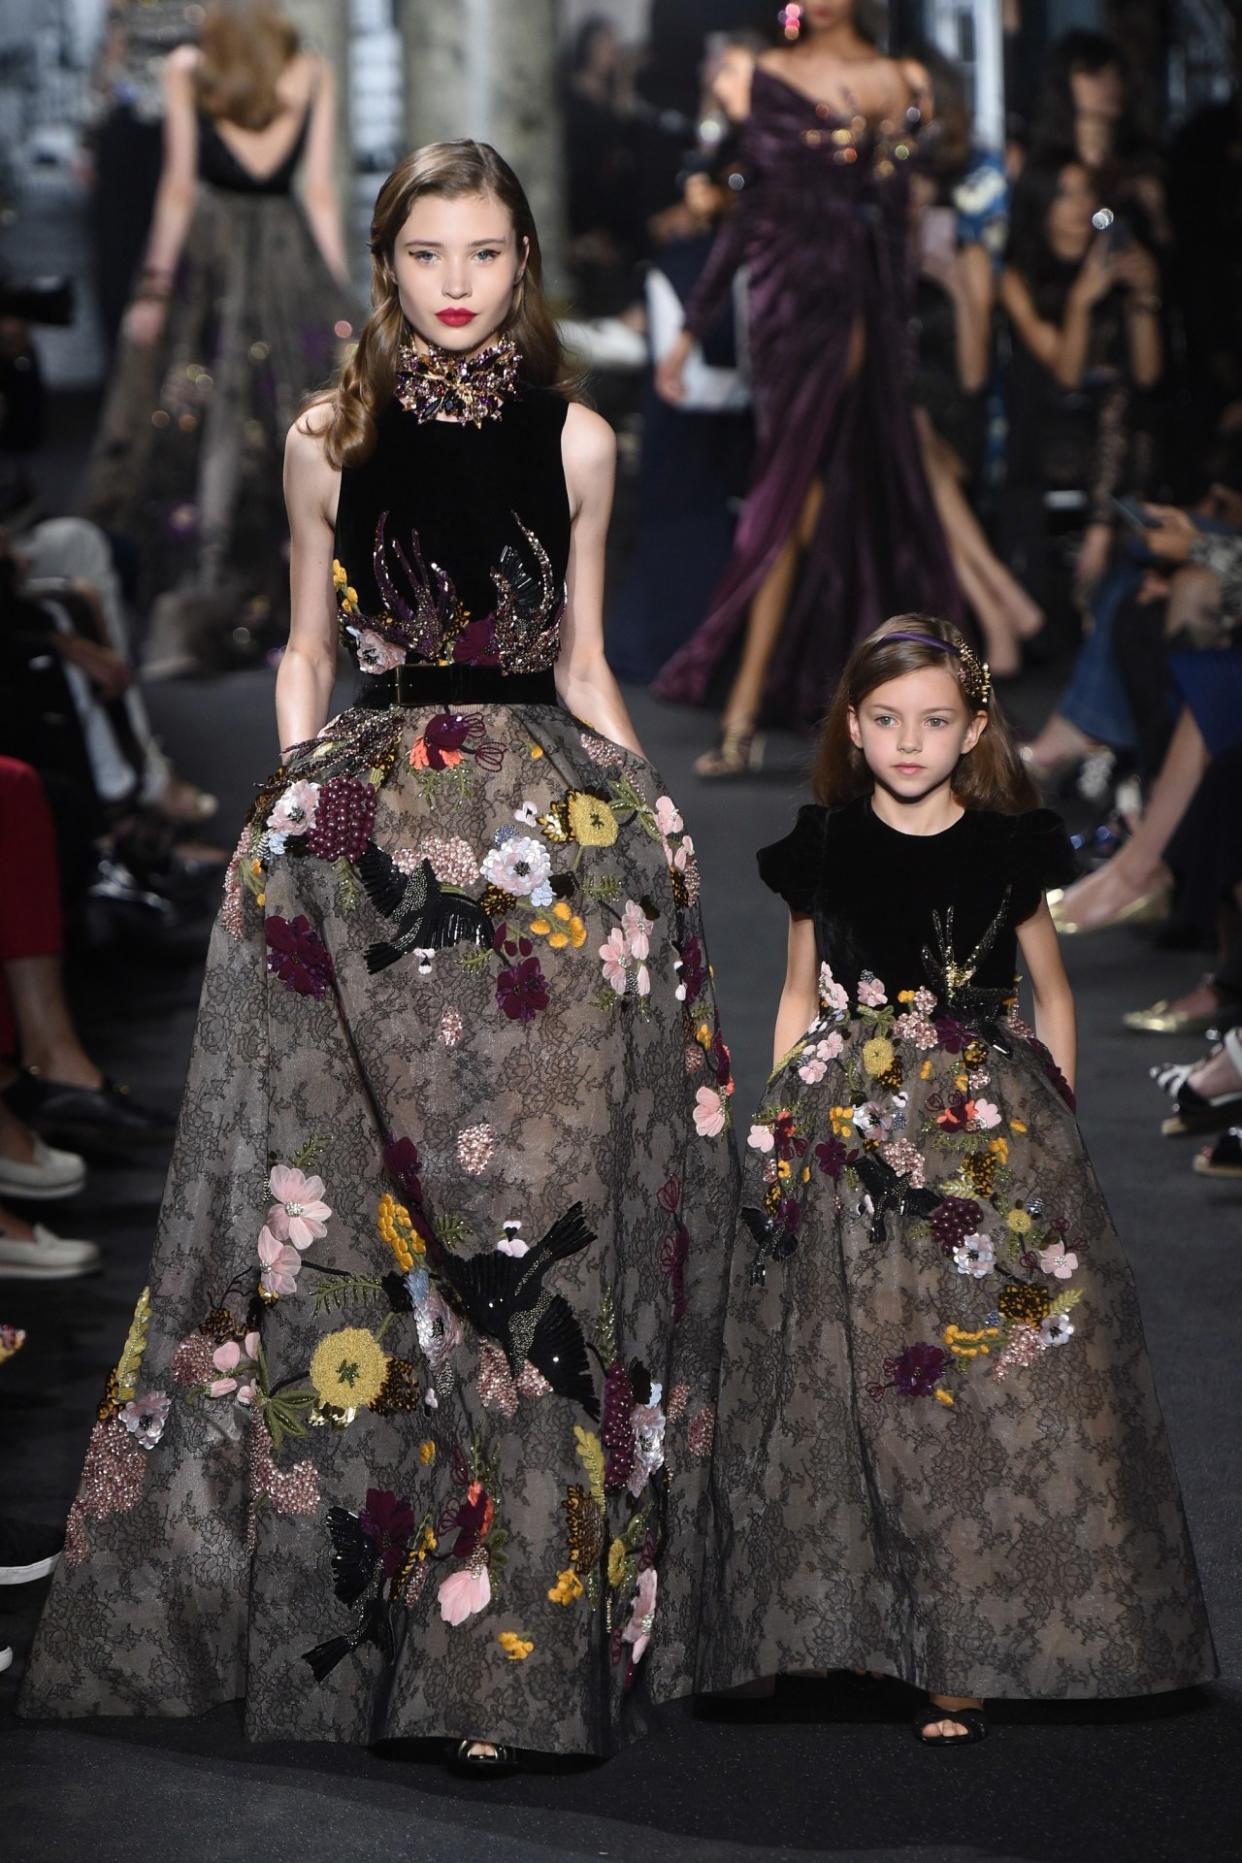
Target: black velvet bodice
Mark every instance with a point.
(875, 894)
(452, 541)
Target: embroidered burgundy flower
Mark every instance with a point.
(953, 1220)
(473, 1519)
(1053, 1072)
(832, 1157)
(298, 956)
(389, 1522)
(951, 1034)
(522, 990)
(616, 1430)
(916, 1370)
(785, 1136)
(401, 1162)
(344, 819)
(693, 969)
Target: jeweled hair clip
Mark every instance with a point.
(976, 675)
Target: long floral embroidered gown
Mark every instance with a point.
(939, 1452)
(412, 1431)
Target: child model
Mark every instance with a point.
(939, 1451)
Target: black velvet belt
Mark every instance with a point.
(455, 685)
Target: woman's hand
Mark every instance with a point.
(1173, 533)
(670, 375)
(1098, 274)
(144, 322)
(1138, 272)
(107, 671)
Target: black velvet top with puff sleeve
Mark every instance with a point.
(881, 900)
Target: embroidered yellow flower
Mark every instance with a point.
(1020, 1222)
(960, 1082)
(398, 1231)
(842, 1118)
(616, 1563)
(567, 1589)
(905, 996)
(878, 1054)
(591, 820)
(925, 1071)
(558, 941)
(349, 1367)
(964, 1344)
(562, 912)
(577, 931)
(536, 750)
(346, 595)
(516, 1648)
(427, 1544)
(1016, 1125)
(783, 1167)
(540, 927)
(703, 1035)
(1001, 1147)
(943, 1397)
(426, 1452)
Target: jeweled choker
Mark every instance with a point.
(471, 388)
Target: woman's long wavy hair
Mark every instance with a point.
(244, 47)
(991, 776)
(367, 382)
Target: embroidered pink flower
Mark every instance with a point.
(761, 1138)
(377, 655)
(642, 980)
(832, 994)
(475, 1145)
(1057, 1261)
(983, 1114)
(709, 1112)
(295, 811)
(145, 1417)
(299, 1213)
(924, 1001)
(229, 1359)
(637, 1632)
(463, 1594)
(871, 991)
(668, 816)
(451, 1027)
(453, 860)
(280, 1264)
(637, 929)
(614, 958)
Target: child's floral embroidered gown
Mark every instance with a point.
(939, 1452)
(411, 1433)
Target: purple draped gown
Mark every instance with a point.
(822, 227)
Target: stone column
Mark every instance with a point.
(324, 28)
(488, 69)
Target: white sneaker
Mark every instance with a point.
(47, 1258)
(49, 1174)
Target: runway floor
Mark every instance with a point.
(808, 1775)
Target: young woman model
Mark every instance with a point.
(939, 1453)
(241, 303)
(411, 1436)
(839, 525)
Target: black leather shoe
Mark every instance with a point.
(106, 1118)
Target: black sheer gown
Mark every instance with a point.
(411, 1433)
(940, 1454)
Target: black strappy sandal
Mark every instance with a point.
(1224, 1158)
(1193, 1112)
(974, 1720)
(493, 1762)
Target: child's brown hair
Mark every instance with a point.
(991, 776)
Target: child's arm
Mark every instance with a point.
(799, 1004)
(1054, 1000)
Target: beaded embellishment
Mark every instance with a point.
(470, 388)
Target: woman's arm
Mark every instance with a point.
(1140, 275)
(799, 1004)
(972, 298)
(319, 190)
(583, 677)
(1055, 1023)
(1061, 347)
(308, 667)
(174, 199)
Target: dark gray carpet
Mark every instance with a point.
(809, 1775)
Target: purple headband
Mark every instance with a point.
(976, 680)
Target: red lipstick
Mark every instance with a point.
(457, 315)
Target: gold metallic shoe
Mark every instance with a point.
(1163, 1019)
(1148, 909)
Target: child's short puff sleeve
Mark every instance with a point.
(1041, 857)
(794, 867)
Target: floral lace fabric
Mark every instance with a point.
(940, 1453)
(411, 1433)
